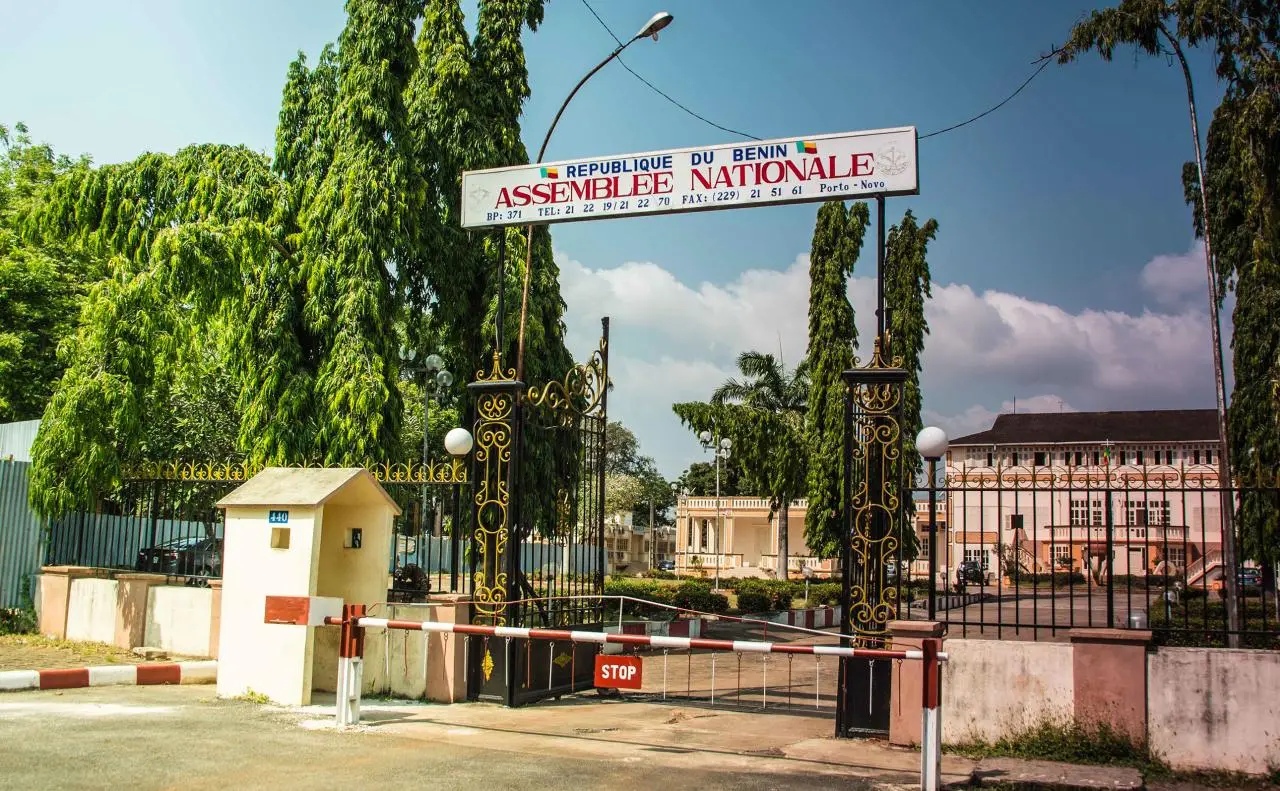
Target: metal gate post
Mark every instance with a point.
(872, 511)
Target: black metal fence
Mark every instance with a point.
(169, 524)
(1033, 553)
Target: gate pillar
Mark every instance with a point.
(497, 396)
(873, 513)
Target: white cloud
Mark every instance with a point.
(1177, 281)
(673, 341)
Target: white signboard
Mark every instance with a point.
(788, 170)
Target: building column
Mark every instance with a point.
(907, 679)
(1110, 670)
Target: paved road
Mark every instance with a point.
(179, 737)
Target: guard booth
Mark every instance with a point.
(298, 532)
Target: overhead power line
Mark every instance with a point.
(723, 128)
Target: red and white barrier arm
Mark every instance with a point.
(655, 641)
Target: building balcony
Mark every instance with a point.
(708, 560)
(1126, 533)
(732, 503)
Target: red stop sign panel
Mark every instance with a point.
(618, 672)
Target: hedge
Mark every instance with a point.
(1205, 623)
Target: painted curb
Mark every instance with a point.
(205, 672)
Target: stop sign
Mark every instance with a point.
(618, 672)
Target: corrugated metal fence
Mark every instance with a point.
(20, 534)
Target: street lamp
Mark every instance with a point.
(657, 22)
(722, 447)
(932, 444)
(436, 379)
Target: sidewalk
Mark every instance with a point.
(714, 739)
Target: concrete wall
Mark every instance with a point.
(994, 687)
(91, 610)
(1214, 708)
(178, 619)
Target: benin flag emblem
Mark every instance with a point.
(551, 173)
(805, 147)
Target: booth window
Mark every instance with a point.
(279, 538)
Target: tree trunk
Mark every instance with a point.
(783, 528)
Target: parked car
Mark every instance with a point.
(666, 565)
(1250, 576)
(190, 556)
(971, 572)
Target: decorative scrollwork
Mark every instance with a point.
(579, 393)
(1120, 477)
(496, 374)
(494, 436)
(875, 503)
(452, 471)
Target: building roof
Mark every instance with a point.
(306, 486)
(1162, 425)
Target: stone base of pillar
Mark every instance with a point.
(904, 708)
(55, 595)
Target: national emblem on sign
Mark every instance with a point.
(891, 161)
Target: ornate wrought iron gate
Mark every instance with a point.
(873, 517)
(538, 545)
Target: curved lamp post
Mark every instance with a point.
(722, 447)
(436, 379)
(932, 443)
(657, 22)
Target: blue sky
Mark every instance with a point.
(1066, 270)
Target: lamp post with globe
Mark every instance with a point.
(932, 444)
(435, 380)
(711, 440)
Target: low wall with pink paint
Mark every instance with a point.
(994, 688)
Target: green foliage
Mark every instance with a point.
(775, 594)
(648, 590)
(752, 601)
(699, 480)
(1068, 741)
(622, 493)
(833, 337)
(252, 307)
(21, 619)
(634, 478)
(825, 593)
(697, 596)
(1200, 620)
(1241, 183)
(40, 284)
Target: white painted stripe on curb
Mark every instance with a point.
(13, 680)
(112, 674)
(199, 672)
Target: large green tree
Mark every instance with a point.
(40, 284)
(907, 286)
(833, 337)
(287, 279)
(1237, 185)
(763, 415)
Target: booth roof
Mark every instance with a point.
(307, 486)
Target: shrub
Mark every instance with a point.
(1058, 579)
(753, 602)
(661, 574)
(22, 619)
(638, 588)
(1202, 623)
(826, 593)
(779, 593)
(698, 596)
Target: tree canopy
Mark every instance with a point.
(278, 292)
(833, 336)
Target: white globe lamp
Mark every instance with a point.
(458, 442)
(932, 443)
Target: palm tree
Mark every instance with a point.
(767, 386)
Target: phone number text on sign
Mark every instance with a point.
(787, 170)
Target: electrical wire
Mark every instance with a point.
(708, 121)
(1007, 99)
(658, 90)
